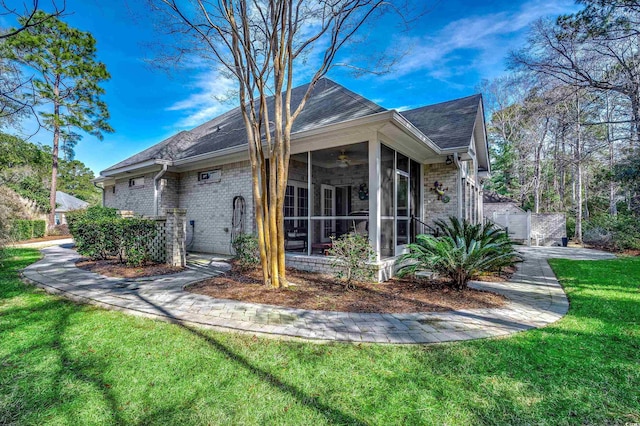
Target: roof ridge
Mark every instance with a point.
(445, 102)
(359, 97)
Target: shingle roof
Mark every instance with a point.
(66, 202)
(448, 124)
(329, 103)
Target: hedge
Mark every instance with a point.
(128, 239)
(23, 229)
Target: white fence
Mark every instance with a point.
(536, 229)
(517, 224)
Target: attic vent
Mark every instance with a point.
(210, 176)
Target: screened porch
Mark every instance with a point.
(366, 188)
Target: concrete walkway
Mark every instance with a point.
(43, 244)
(535, 299)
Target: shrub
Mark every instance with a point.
(21, 229)
(571, 226)
(462, 252)
(137, 237)
(130, 239)
(619, 232)
(60, 230)
(353, 256)
(39, 228)
(247, 251)
(94, 213)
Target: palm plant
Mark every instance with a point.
(461, 253)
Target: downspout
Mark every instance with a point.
(101, 189)
(155, 188)
(456, 161)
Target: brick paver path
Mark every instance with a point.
(535, 299)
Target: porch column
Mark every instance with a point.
(374, 193)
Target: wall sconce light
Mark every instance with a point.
(449, 160)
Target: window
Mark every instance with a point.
(296, 204)
(210, 176)
(136, 182)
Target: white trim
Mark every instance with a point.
(332, 222)
(374, 193)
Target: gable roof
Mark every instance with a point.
(66, 202)
(490, 197)
(328, 103)
(448, 124)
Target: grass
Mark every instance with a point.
(63, 363)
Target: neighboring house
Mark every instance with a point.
(66, 203)
(355, 167)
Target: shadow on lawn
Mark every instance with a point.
(53, 371)
(332, 414)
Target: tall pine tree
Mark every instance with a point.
(67, 80)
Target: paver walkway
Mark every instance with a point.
(535, 299)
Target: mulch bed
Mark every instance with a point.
(324, 292)
(112, 268)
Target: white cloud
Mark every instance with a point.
(212, 95)
(489, 37)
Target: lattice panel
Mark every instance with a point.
(159, 246)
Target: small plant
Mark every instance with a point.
(247, 251)
(353, 256)
(463, 252)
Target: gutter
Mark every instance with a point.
(456, 161)
(155, 187)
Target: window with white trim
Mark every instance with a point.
(296, 203)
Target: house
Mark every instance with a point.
(355, 166)
(66, 203)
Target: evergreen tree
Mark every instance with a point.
(67, 80)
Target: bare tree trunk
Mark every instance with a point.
(54, 154)
(578, 183)
(613, 208)
(538, 169)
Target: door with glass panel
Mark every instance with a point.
(328, 206)
(402, 211)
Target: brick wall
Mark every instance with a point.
(434, 208)
(383, 270)
(210, 205)
(138, 199)
(168, 197)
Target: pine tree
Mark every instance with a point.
(67, 80)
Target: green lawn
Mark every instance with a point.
(63, 363)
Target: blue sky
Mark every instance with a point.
(451, 49)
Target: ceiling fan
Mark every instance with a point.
(343, 160)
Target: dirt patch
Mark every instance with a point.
(112, 268)
(324, 292)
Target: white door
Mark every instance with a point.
(328, 206)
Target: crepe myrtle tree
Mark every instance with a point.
(66, 82)
(261, 45)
